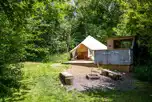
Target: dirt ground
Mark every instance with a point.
(80, 82)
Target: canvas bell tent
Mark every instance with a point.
(85, 50)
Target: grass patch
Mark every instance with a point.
(40, 83)
(58, 58)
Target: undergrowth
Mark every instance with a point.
(144, 73)
(40, 83)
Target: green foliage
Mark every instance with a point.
(136, 20)
(49, 30)
(40, 83)
(12, 42)
(96, 18)
(10, 77)
(34, 30)
(13, 36)
(144, 72)
(57, 26)
(59, 58)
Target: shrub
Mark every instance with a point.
(144, 72)
(10, 78)
(59, 58)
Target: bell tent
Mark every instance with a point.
(85, 50)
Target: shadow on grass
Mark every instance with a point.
(142, 93)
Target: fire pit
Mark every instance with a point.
(92, 76)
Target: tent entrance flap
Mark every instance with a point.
(82, 52)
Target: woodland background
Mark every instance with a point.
(34, 30)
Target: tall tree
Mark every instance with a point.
(96, 18)
(137, 20)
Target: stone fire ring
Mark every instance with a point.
(92, 76)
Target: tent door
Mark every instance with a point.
(82, 55)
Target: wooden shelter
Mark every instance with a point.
(119, 55)
(125, 42)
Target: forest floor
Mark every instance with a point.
(40, 83)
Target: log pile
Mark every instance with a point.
(112, 74)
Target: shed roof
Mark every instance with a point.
(92, 44)
(121, 37)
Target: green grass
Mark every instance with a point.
(41, 84)
(59, 58)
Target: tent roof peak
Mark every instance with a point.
(91, 43)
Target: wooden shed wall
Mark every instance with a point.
(116, 57)
(123, 68)
(110, 41)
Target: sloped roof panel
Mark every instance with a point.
(92, 44)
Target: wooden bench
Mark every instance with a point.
(112, 74)
(66, 78)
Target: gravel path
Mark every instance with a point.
(80, 82)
